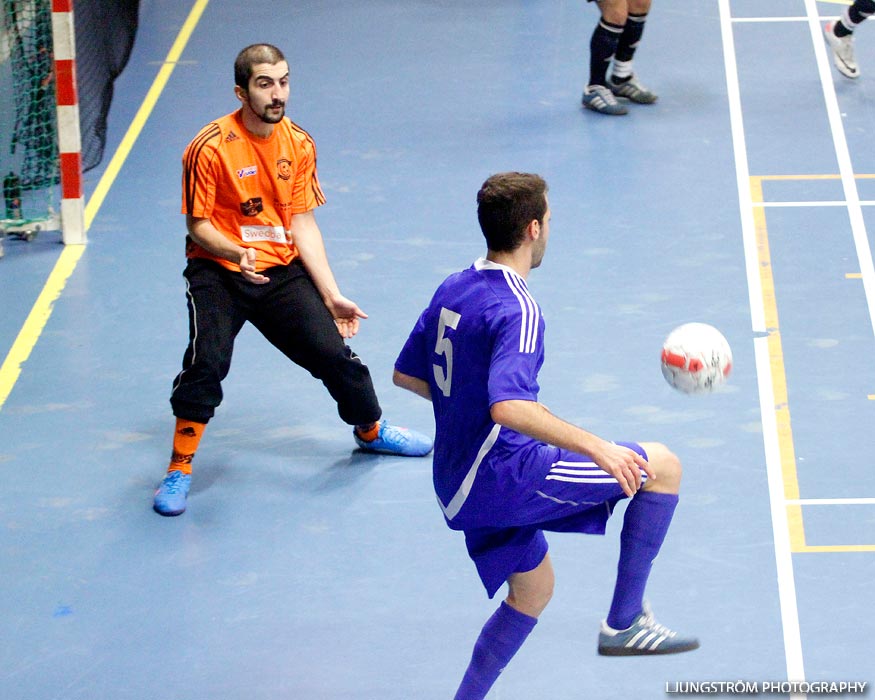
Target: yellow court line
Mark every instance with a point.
(786, 448)
(779, 375)
(39, 314)
(37, 318)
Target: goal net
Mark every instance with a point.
(29, 160)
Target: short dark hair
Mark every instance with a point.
(251, 56)
(506, 204)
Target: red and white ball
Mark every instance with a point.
(696, 358)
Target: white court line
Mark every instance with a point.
(846, 170)
(742, 174)
(741, 20)
(780, 525)
(831, 502)
(826, 203)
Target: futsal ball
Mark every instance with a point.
(696, 358)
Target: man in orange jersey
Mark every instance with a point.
(255, 253)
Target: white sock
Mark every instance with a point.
(622, 69)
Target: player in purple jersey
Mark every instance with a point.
(505, 468)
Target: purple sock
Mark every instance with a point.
(644, 528)
(501, 637)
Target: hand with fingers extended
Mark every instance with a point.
(624, 465)
(346, 315)
(247, 267)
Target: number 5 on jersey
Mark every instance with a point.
(444, 346)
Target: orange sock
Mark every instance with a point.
(185, 441)
(369, 435)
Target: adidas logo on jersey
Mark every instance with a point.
(231, 137)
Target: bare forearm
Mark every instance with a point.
(417, 386)
(535, 420)
(311, 248)
(212, 240)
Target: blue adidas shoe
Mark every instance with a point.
(600, 99)
(644, 637)
(172, 493)
(393, 440)
(633, 90)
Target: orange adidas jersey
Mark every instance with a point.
(250, 187)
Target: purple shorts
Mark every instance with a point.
(515, 500)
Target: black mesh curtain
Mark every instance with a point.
(105, 31)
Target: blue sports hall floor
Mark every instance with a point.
(305, 569)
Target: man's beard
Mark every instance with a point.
(538, 256)
(272, 117)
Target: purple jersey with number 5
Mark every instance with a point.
(480, 341)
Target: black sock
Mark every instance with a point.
(859, 11)
(631, 37)
(602, 48)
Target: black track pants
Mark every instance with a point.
(289, 312)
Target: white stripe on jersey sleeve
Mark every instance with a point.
(528, 306)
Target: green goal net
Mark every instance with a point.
(29, 161)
